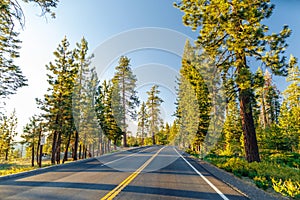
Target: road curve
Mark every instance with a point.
(155, 172)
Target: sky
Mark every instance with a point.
(150, 33)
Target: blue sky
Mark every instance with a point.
(100, 21)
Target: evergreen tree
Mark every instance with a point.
(153, 109)
(11, 75)
(232, 129)
(104, 112)
(193, 103)
(231, 33)
(174, 131)
(143, 124)
(7, 134)
(32, 133)
(268, 101)
(57, 104)
(162, 135)
(289, 120)
(125, 95)
(10, 12)
(83, 95)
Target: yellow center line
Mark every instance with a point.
(112, 194)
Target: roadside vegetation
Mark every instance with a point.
(82, 116)
(279, 172)
(18, 165)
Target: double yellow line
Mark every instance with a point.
(112, 194)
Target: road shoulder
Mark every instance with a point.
(242, 186)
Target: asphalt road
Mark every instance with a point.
(155, 172)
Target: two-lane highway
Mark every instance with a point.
(155, 172)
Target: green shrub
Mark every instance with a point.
(267, 174)
(261, 182)
(287, 187)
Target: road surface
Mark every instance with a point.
(155, 172)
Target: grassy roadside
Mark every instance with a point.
(24, 164)
(19, 165)
(277, 172)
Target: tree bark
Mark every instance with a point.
(67, 148)
(80, 151)
(40, 156)
(58, 148)
(75, 145)
(251, 148)
(38, 148)
(53, 153)
(32, 154)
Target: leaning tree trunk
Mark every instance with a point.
(251, 148)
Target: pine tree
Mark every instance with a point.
(289, 120)
(174, 131)
(193, 103)
(125, 95)
(7, 134)
(104, 113)
(143, 124)
(268, 101)
(12, 77)
(231, 33)
(32, 134)
(232, 129)
(82, 98)
(153, 109)
(57, 104)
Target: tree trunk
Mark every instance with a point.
(53, 153)
(75, 145)
(84, 152)
(93, 150)
(66, 150)
(32, 154)
(108, 145)
(38, 148)
(80, 151)
(58, 148)
(40, 156)
(251, 148)
(6, 153)
(124, 116)
(99, 146)
(153, 138)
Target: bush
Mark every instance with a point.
(287, 187)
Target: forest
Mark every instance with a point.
(82, 116)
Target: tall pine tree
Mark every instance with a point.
(231, 33)
(153, 109)
(125, 94)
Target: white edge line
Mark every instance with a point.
(203, 177)
(123, 157)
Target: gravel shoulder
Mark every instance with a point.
(245, 187)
